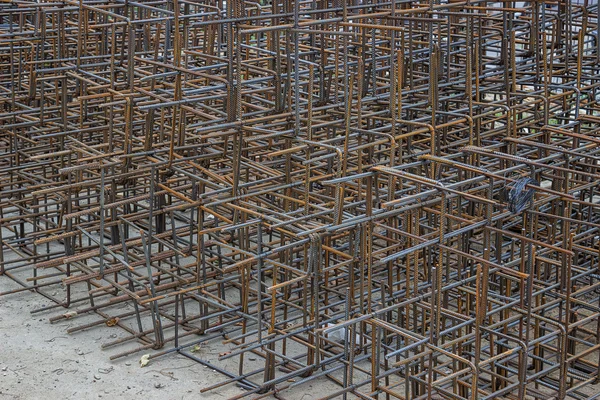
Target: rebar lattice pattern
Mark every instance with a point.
(399, 197)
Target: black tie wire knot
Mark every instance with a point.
(520, 196)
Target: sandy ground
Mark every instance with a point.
(39, 360)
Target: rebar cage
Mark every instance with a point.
(399, 197)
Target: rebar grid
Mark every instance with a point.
(399, 197)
